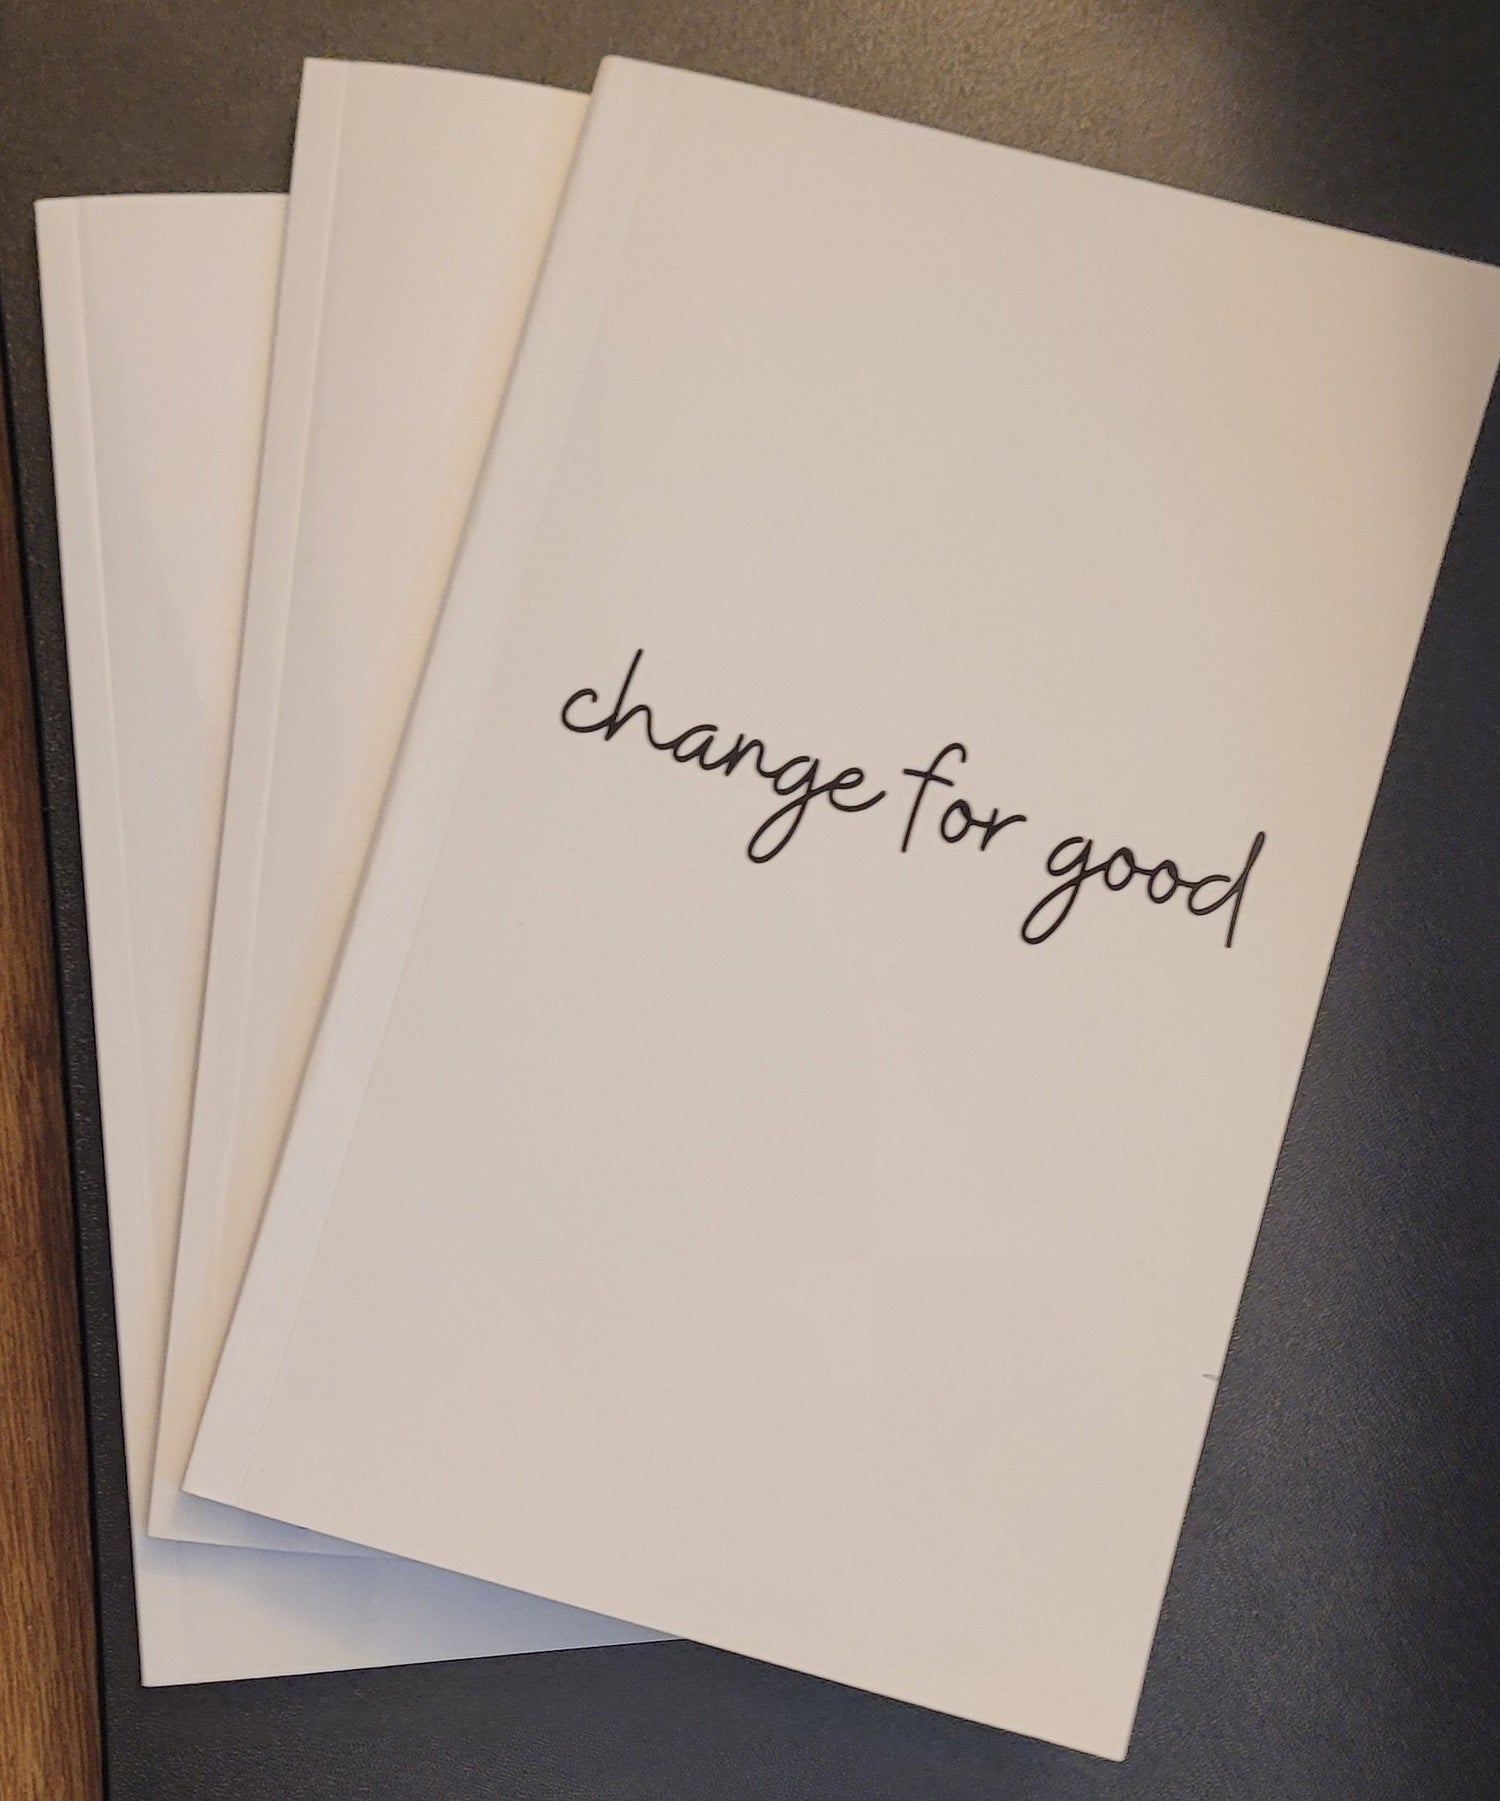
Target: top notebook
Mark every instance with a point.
(787, 1137)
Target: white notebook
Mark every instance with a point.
(786, 1141)
(158, 321)
(420, 206)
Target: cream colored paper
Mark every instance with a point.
(421, 202)
(158, 320)
(786, 1253)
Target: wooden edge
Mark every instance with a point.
(49, 1701)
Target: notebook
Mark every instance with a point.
(420, 206)
(787, 1137)
(158, 316)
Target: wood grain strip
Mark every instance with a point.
(49, 1720)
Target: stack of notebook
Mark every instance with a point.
(720, 748)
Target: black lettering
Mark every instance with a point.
(924, 778)
(1234, 891)
(698, 755)
(1037, 927)
(797, 779)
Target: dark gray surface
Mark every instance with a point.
(1332, 1629)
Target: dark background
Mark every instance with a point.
(1332, 1628)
